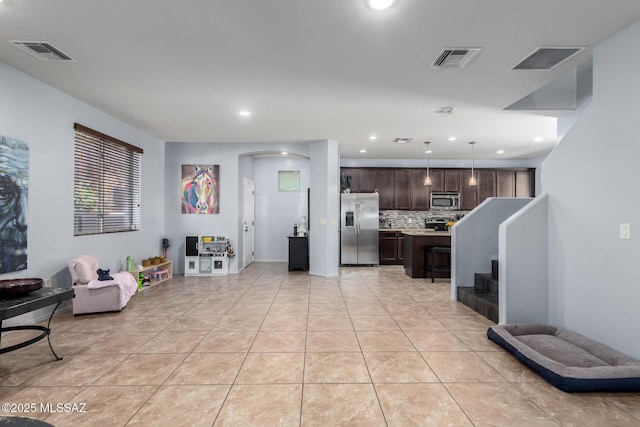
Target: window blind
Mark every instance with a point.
(107, 177)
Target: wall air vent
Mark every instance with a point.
(44, 51)
(547, 58)
(404, 140)
(455, 57)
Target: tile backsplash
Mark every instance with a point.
(413, 219)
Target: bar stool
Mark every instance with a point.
(433, 268)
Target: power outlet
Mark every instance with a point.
(625, 231)
(47, 282)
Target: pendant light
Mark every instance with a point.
(472, 180)
(427, 179)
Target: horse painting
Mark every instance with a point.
(200, 187)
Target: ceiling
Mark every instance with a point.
(328, 69)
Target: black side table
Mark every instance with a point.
(34, 300)
(298, 253)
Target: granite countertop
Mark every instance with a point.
(417, 231)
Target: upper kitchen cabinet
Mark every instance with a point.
(350, 179)
(452, 180)
(486, 184)
(468, 193)
(505, 183)
(437, 180)
(402, 189)
(385, 185)
(367, 180)
(419, 191)
(525, 183)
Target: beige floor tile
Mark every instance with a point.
(279, 341)
(399, 367)
(509, 407)
(576, 409)
(190, 323)
(460, 366)
(76, 370)
(261, 405)
(509, 367)
(105, 406)
(465, 323)
(63, 343)
(172, 342)
(239, 323)
(420, 405)
(147, 324)
(419, 323)
(340, 405)
(374, 323)
(477, 340)
(329, 367)
(182, 405)
(38, 399)
(119, 343)
(334, 341)
(226, 341)
(271, 368)
(208, 368)
(335, 322)
(370, 308)
(384, 341)
(327, 309)
(277, 322)
(142, 369)
(15, 368)
(628, 402)
(436, 341)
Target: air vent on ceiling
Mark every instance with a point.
(403, 140)
(455, 58)
(44, 51)
(547, 58)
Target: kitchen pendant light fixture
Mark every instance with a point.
(427, 179)
(472, 180)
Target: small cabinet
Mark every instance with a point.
(524, 183)
(452, 180)
(298, 253)
(367, 180)
(391, 248)
(402, 189)
(419, 191)
(385, 185)
(468, 193)
(505, 183)
(486, 184)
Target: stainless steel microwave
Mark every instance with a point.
(445, 200)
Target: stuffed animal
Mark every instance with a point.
(104, 275)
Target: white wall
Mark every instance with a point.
(277, 211)
(43, 117)
(591, 178)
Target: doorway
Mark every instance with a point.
(248, 223)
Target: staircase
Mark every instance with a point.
(483, 296)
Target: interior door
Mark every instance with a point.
(248, 223)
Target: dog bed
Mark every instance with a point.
(568, 360)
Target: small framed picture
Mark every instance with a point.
(288, 180)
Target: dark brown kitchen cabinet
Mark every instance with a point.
(388, 247)
(419, 191)
(385, 186)
(402, 189)
(400, 248)
(524, 183)
(437, 180)
(505, 183)
(468, 193)
(486, 184)
(350, 179)
(452, 180)
(367, 180)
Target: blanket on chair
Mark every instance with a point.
(124, 280)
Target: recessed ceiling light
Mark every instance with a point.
(428, 152)
(245, 113)
(379, 4)
(373, 137)
(284, 153)
(403, 140)
(538, 139)
(451, 138)
(500, 151)
(363, 151)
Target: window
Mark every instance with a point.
(106, 184)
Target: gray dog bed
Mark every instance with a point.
(568, 360)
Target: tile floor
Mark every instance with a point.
(271, 348)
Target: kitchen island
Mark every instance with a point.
(414, 242)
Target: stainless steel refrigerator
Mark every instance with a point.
(359, 229)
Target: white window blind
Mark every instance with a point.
(106, 184)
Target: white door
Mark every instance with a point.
(248, 224)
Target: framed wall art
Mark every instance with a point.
(200, 189)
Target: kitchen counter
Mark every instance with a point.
(414, 243)
(417, 231)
